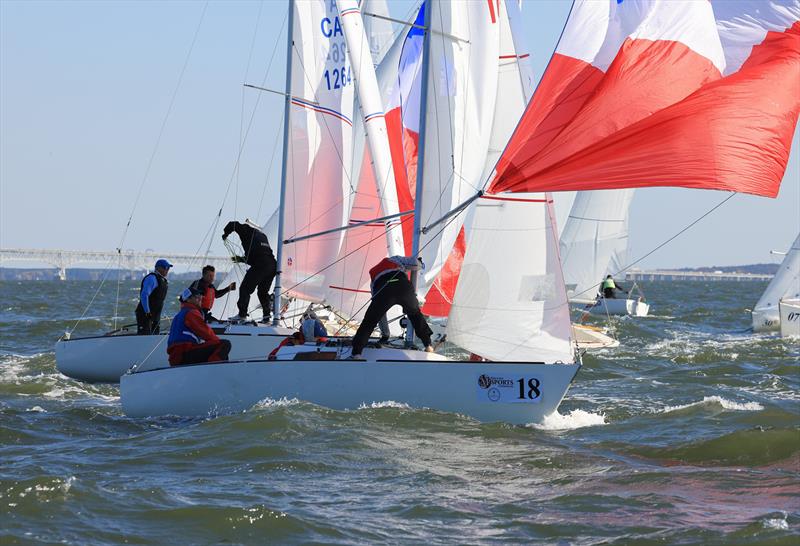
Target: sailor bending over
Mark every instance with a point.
(258, 255)
(191, 341)
(390, 286)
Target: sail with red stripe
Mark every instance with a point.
(686, 93)
(319, 178)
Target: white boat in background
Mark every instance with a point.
(790, 317)
(594, 243)
(590, 338)
(785, 285)
(594, 240)
(103, 359)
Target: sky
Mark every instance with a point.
(95, 103)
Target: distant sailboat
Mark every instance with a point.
(594, 243)
(784, 288)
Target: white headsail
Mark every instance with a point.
(511, 308)
(460, 111)
(785, 285)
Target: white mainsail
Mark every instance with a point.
(319, 181)
(504, 308)
(785, 285)
(594, 240)
(320, 158)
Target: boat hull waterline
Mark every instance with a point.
(634, 308)
(104, 359)
(517, 393)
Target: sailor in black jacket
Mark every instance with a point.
(258, 255)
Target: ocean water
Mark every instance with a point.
(688, 433)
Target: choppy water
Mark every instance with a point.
(689, 433)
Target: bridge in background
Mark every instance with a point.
(667, 275)
(124, 259)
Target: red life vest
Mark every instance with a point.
(386, 265)
(208, 297)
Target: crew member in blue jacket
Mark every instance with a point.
(152, 294)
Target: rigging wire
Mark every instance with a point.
(145, 177)
(241, 116)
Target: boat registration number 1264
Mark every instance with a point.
(508, 389)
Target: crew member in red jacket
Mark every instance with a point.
(390, 286)
(210, 292)
(191, 341)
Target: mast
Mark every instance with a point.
(423, 103)
(287, 109)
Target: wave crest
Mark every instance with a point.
(724, 402)
(574, 419)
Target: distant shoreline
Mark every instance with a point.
(96, 274)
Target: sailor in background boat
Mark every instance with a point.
(205, 285)
(390, 286)
(610, 288)
(152, 294)
(258, 255)
(191, 341)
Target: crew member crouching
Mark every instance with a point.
(390, 286)
(191, 341)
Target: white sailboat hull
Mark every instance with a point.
(766, 319)
(421, 380)
(104, 359)
(790, 317)
(634, 308)
(592, 338)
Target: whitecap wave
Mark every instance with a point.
(779, 524)
(13, 367)
(724, 402)
(574, 419)
(384, 404)
(67, 485)
(272, 403)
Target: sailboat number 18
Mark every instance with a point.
(529, 391)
